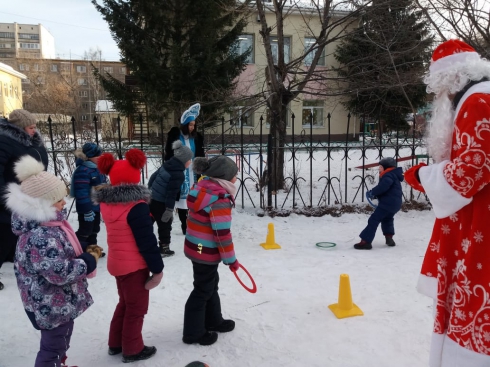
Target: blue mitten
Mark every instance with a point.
(89, 217)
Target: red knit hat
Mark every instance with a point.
(125, 171)
(449, 53)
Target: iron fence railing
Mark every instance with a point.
(319, 171)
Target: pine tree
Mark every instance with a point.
(384, 60)
(178, 51)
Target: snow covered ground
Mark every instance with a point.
(287, 322)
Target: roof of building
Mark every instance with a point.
(8, 69)
(104, 105)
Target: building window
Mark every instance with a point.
(84, 117)
(82, 93)
(5, 45)
(30, 46)
(309, 57)
(24, 81)
(40, 80)
(54, 68)
(36, 67)
(11, 90)
(123, 70)
(275, 49)
(314, 108)
(242, 115)
(65, 66)
(7, 35)
(82, 81)
(85, 106)
(28, 36)
(5, 89)
(81, 69)
(245, 43)
(108, 69)
(24, 67)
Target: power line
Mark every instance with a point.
(52, 21)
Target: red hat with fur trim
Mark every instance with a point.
(449, 53)
(124, 171)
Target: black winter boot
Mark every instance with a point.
(208, 338)
(165, 250)
(1, 286)
(114, 351)
(363, 245)
(146, 353)
(224, 327)
(389, 241)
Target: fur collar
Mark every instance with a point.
(120, 194)
(35, 209)
(19, 135)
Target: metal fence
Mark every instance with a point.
(320, 172)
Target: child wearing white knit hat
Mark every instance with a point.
(50, 266)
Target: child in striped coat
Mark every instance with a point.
(208, 241)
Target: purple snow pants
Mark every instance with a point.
(54, 344)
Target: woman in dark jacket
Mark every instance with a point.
(18, 137)
(189, 137)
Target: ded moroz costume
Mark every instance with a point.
(456, 267)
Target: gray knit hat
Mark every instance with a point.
(36, 182)
(218, 167)
(181, 152)
(21, 118)
(387, 162)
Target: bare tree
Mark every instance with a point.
(289, 76)
(468, 20)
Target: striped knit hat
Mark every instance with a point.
(36, 182)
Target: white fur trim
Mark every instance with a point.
(30, 208)
(427, 286)
(445, 352)
(26, 167)
(444, 199)
(449, 61)
(483, 87)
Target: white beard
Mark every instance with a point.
(439, 139)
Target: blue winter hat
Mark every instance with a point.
(91, 150)
(190, 114)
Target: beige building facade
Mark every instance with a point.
(10, 89)
(300, 28)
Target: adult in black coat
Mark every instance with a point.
(18, 137)
(189, 137)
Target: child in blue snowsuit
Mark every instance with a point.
(389, 195)
(86, 176)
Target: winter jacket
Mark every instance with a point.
(389, 190)
(166, 181)
(14, 143)
(52, 280)
(208, 239)
(86, 176)
(175, 134)
(126, 213)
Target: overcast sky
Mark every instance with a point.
(75, 25)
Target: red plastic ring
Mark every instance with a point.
(254, 287)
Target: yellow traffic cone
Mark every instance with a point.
(270, 240)
(345, 307)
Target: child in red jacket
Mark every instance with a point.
(133, 251)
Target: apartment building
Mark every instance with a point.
(10, 89)
(63, 86)
(25, 41)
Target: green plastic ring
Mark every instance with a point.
(325, 244)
